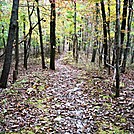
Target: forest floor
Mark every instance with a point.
(69, 100)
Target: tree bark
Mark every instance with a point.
(52, 35)
(132, 57)
(104, 32)
(15, 72)
(17, 47)
(128, 36)
(75, 42)
(109, 38)
(25, 44)
(41, 40)
(123, 28)
(10, 40)
(96, 31)
(117, 48)
(4, 43)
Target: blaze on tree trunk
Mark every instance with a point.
(10, 40)
(104, 32)
(128, 35)
(52, 35)
(123, 28)
(41, 40)
(117, 41)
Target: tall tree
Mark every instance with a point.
(104, 32)
(10, 40)
(130, 16)
(123, 27)
(75, 43)
(15, 72)
(96, 31)
(118, 43)
(52, 34)
(28, 43)
(25, 42)
(109, 37)
(41, 40)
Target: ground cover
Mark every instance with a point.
(68, 100)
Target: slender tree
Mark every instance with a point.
(52, 34)
(104, 32)
(41, 40)
(117, 40)
(17, 47)
(15, 72)
(109, 38)
(25, 42)
(128, 36)
(75, 43)
(10, 40)
(123, 27)
(96, 31)
(132, 57)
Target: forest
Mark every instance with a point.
(66, 67)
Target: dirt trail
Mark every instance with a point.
(64, 102)
(70, 108)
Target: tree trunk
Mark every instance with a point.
(77, 47)
(15, 72)
(52, 35)
(4, 43)
(41, 40)
(123, 28)
(64, 43)
(132, 57)
(96, 31)
(128, 36)
(28, 42)
(75, 44)
(117, 47)
(10, 40)
(25, 44)
(109, 38)
(17, 47)
(104, 32)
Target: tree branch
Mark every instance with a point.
(30, 31)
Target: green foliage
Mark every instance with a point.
(69, 14)
(5, 9)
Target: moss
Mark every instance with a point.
(109, 128)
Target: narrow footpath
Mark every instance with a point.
(71, 110)
(65, 101)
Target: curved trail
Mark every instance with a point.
(64, 101)
(70, 108)
(48, 102)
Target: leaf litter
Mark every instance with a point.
(68, 100)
